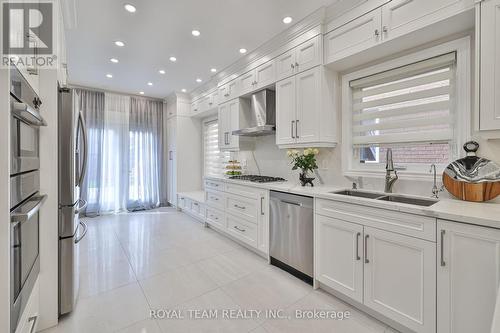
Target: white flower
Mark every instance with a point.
(289, 153)
(316, 151)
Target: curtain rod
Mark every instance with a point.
(114, 92)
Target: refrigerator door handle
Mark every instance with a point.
(82, 204)
(85, 228)
(85, 149)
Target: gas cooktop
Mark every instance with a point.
(258, 179)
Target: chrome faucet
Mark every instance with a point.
(389, 167)
(435, 188)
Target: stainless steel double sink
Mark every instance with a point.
(409, 200)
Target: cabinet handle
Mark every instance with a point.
(443, 263)
(384, 29)
(236, 227)
(297, 64)
(261, 205)
(291, 129)
(377, 33)
(240, 207)
(297, 129)
(292, 65)
(366, 249)
(357, 246)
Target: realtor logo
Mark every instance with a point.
(27, 26)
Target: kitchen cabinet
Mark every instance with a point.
(171, 165)
(354, 37)
(258, 78)
(339, 247)
(391, 20)
(468, 276)
(360, 252)
(28, 322)
(400, 17)
(400, 278)
(204, 103)
(489, 66)
(228, 91)
(232, 117)
(306, 113)
(301, 58)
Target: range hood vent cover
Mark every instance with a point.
(263, 115)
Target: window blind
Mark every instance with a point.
(213, 158)
(409, 104)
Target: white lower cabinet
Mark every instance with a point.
(28, 322)
(215, 218)
(339, 264)
(242, 229)
(390, 273)
(400, 278)
(468, 276)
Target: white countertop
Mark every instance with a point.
(483, 214)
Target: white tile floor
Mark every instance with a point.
(163, 259)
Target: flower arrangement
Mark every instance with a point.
(305, 161)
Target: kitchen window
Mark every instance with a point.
(214, 159)
(416, 105)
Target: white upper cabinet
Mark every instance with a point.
(305, 110)
(400, 17)
(228, 91)
(265, 74)
(231, 118)
(205, 103)
(285, 119)
(354, 37)
(468, 275)
(339, 249)
(300, 58)
(246, 82)
(400, 278)
(489, 66)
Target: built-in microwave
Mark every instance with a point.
(25, 123)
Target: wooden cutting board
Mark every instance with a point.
(477, 192)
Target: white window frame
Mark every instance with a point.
(463, 108)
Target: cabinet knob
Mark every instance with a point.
(292, 65)
(377, 33)
(384, 29)
(296, 64)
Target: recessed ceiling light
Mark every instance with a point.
(130, 8)
(161, 71)
(196, 33)
(141, 92)
(199, 80)
(213, 70)
(243, 51)
(150, 83)
(173, 59)
(287, 20)
(184, 90)
(109, 76)
(119, 43)
(114, 60)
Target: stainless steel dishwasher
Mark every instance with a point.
(291, 243)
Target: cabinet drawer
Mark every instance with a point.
(244, 207)
(214, 199)
(195, 207)
(242, 229)
(404, 223)
(215, 217)
(246, 191)
(214, 184)
(187, 204)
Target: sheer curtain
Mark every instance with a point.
(146, 153)
(125, 152)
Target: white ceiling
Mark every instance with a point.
(162, 28)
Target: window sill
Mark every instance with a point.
(403, 175)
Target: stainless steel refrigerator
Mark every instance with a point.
(72, 167)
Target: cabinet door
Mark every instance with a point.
(265, 74)
(285, 111)
(285, 65)
(308, 104)
(400, 17)
(223, 124)
(338, 256)
(233, 89)
(223, 94)
(468, 275)
(246, 82)
(233, 124)
(400, 278)
(308, 55)
(214, 100)
(354, 37)
(263, 223)
(489, 116)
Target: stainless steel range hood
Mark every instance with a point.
(262, 120)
